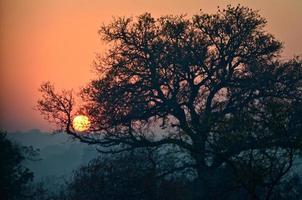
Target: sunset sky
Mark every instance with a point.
(57, 41)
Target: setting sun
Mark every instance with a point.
(81, 123)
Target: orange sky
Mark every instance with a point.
(56, 40)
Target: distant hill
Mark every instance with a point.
(59, 154)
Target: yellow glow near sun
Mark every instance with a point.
(81, 123)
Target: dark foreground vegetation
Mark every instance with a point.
(143, 174)
(187, 108)
(136, 175)
(16, 180)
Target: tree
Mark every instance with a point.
(133, 175)
(14, 177)
(213, 85)
(130, 175)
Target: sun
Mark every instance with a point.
(80, 123)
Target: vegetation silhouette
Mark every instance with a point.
(130, 175)
(15, 178)
(212, 87)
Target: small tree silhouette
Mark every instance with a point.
(14, 177)
(213, 85)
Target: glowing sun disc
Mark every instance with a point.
(80, 123)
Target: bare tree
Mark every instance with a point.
(213, 85)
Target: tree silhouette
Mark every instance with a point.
(130, 175)
(14, 177)
(213, 85)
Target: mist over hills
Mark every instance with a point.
(58, 155)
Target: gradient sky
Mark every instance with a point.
(57, 41)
